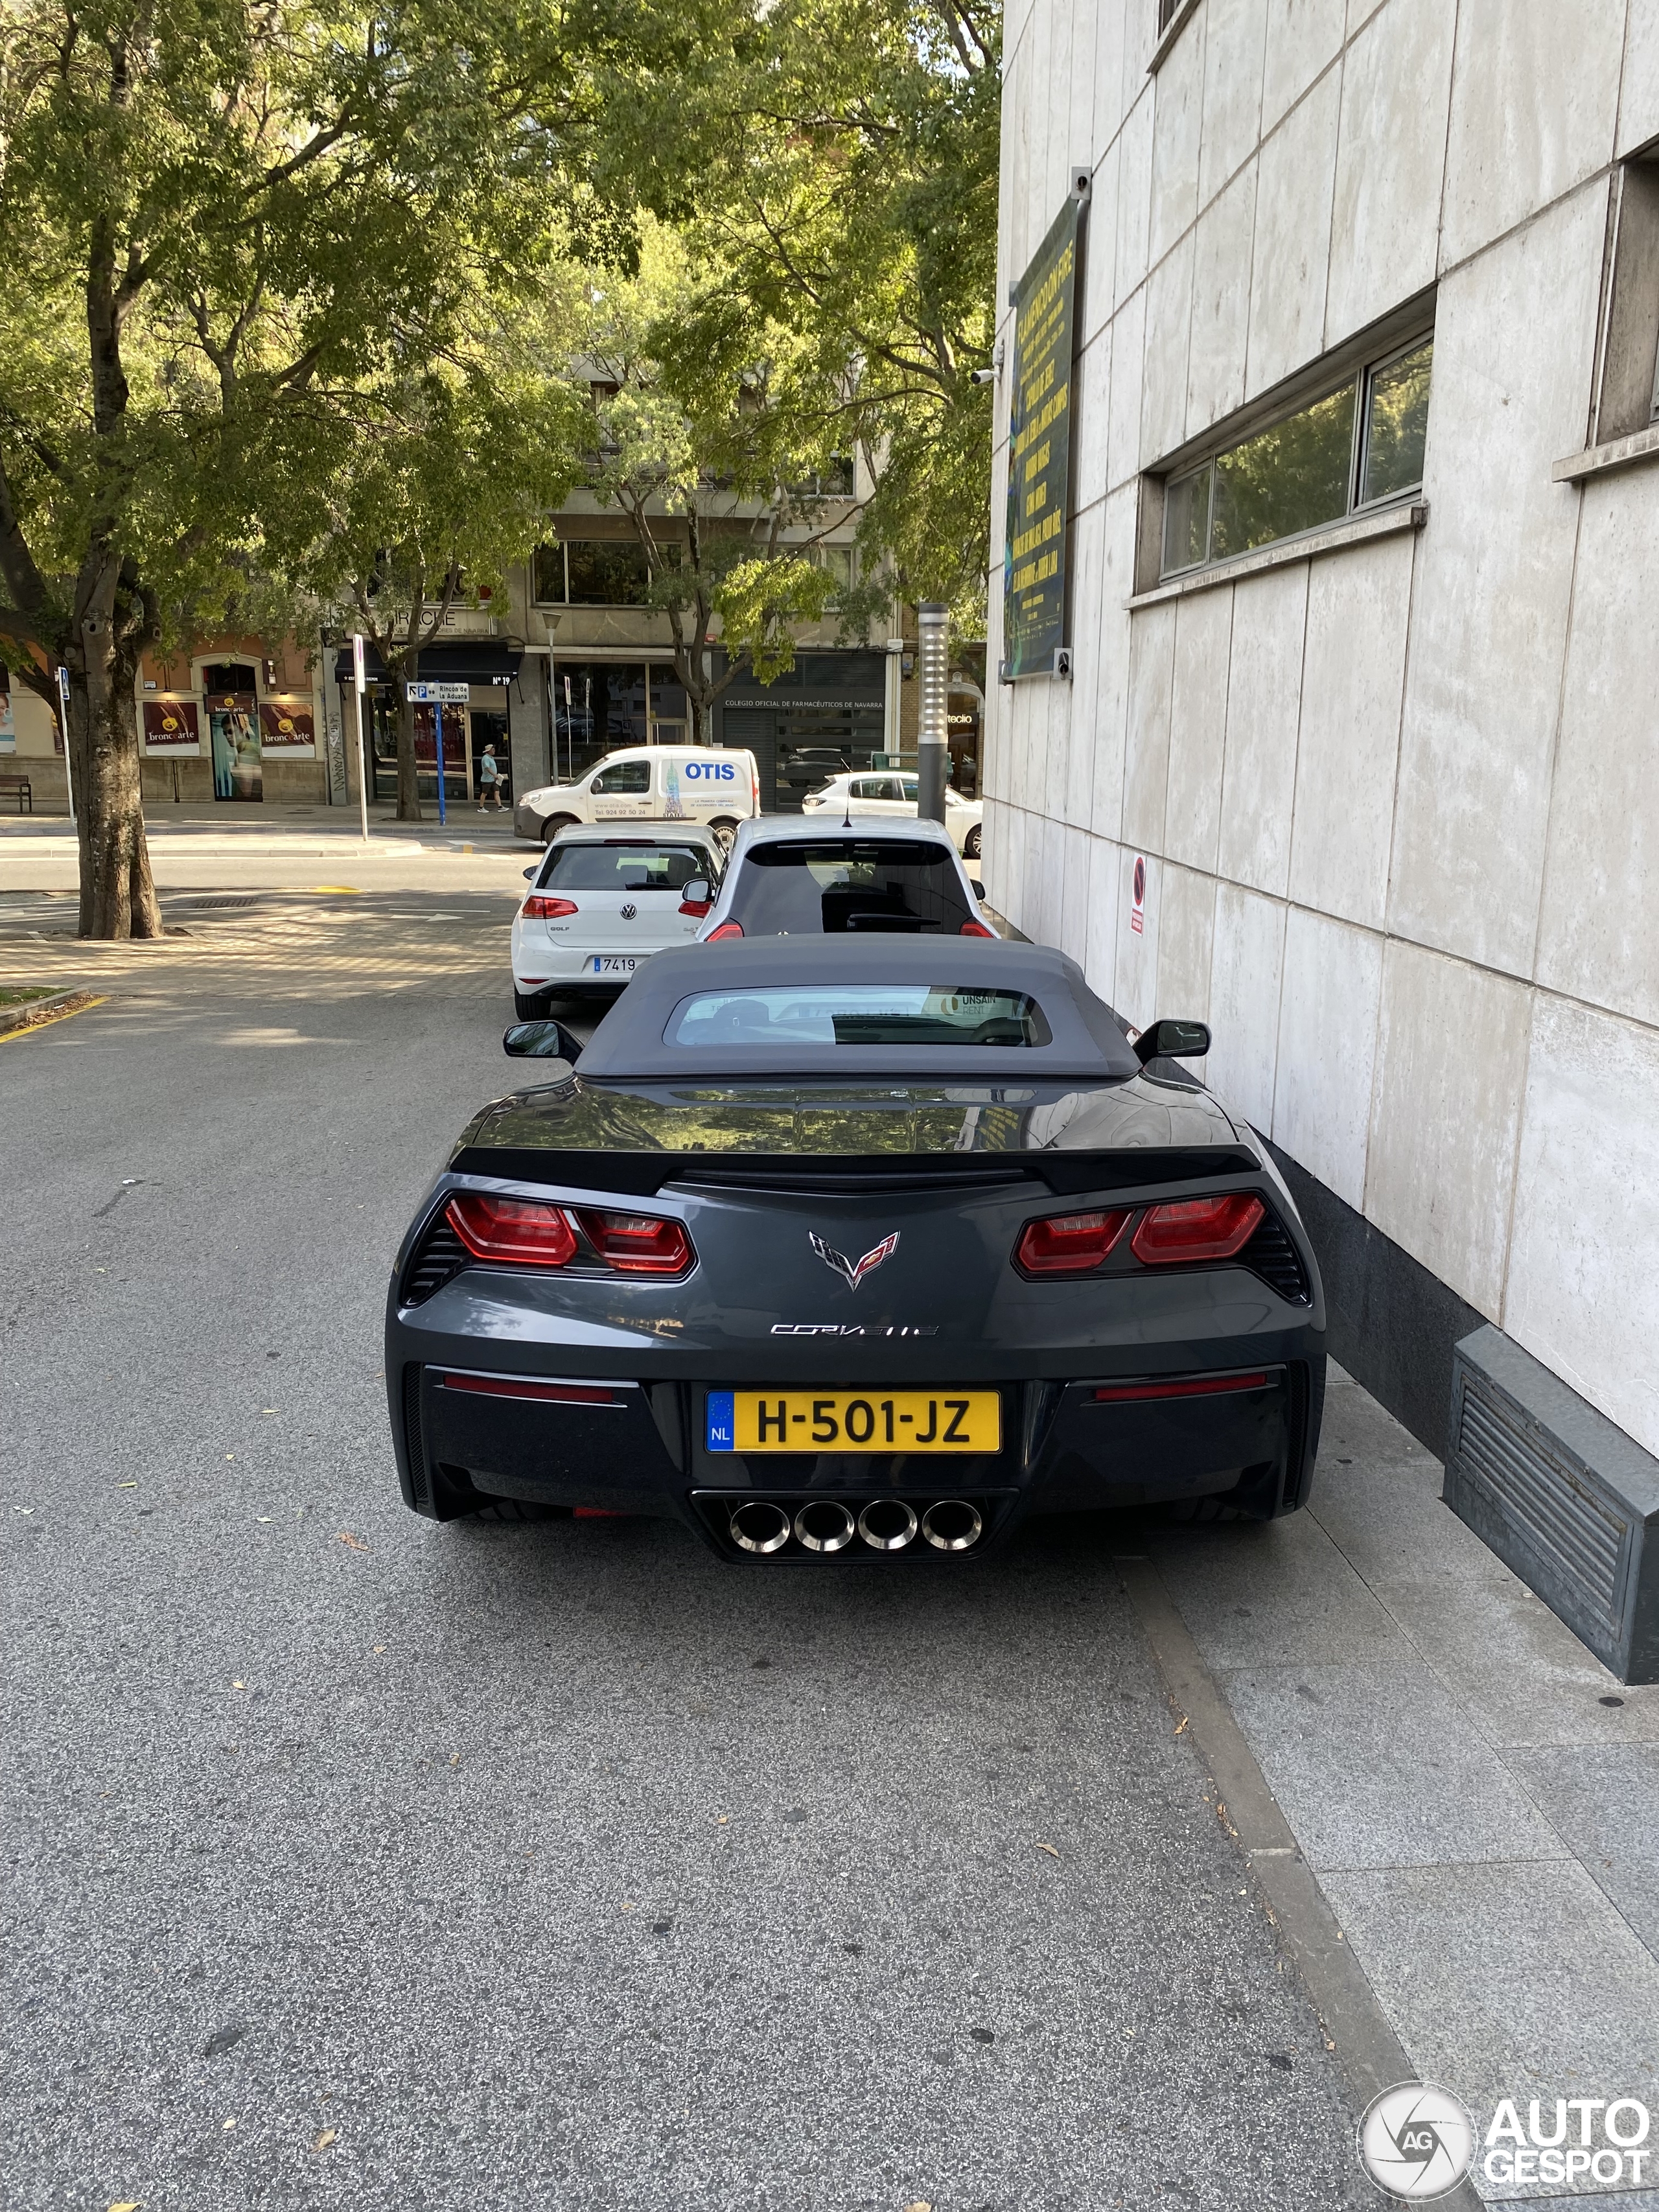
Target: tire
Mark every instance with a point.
(553, 824)
(531, 1005)
(725, 830)
(971, 844)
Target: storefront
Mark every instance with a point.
(487, 669)
(237, 730)
(828, 713)
(600, 705)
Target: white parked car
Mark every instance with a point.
(874, 792)
(797, 876)
(649, 783)
(604, 898)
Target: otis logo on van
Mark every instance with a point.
(710, 772)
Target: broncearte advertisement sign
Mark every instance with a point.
(1034, 568)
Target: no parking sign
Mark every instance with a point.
(1137, 895)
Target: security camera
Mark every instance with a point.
(984, 376)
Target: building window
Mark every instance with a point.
(841, 564)
(1166, 9)
(1357, 446)
(1627, 374)
(592, 572)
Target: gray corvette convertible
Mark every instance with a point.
(839, 1247)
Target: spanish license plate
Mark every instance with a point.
(613, 963)
(855, 1421)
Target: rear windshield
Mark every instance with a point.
(623, 867)
(845, 884)
(859, 1014)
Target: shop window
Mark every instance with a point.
(1358, 446)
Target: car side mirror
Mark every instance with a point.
(541, 1041)
(697, 892)
(1172, 1040)
(530, 875)
(979, 889)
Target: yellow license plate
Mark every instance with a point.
(855, 1420)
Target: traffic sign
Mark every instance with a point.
(437, 695)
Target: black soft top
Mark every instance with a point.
(1087, 1044)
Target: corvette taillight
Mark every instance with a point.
(726, 929)
(1196, 1229)
(517, 1232)
(537, 908)
(639, 1243)
(514, 1229)
(1068, 1243)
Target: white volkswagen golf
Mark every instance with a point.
(602, 900)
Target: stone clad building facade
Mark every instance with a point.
(1363, 614)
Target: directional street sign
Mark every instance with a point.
(437, 695)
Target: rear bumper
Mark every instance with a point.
(560, 966)
(462, 1437)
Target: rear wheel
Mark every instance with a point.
(971, 844)
(531, 1005)
(553, 824)
(725, 830)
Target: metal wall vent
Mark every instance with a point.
(1572, 1530)
(1562, 1495)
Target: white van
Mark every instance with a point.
(648, 783)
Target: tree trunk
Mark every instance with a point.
(409, 784)
(117, 892)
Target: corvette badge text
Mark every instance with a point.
(1417, 2143)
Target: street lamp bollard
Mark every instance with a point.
(932, 753)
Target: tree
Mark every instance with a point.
(441, 480)
(214, 215)
(724, 490)
(831, 168)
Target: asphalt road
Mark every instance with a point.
(357, 1860)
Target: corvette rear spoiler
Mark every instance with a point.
(642, 1173)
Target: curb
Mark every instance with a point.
(1368, 2052)
(20, 1017)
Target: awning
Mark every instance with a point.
(473, 660)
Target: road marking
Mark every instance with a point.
(46, 1021)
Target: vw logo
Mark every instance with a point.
(628, 913)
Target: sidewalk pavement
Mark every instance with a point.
(1477, 1795)
(236, 826)
(279, 847)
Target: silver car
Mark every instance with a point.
(804, 876)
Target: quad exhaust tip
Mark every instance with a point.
(888, 1524)
(824, 1526)
(761, 1526)
(952, 1525)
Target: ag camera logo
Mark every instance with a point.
(1416, 2141)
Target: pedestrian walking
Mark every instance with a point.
(489, 780)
